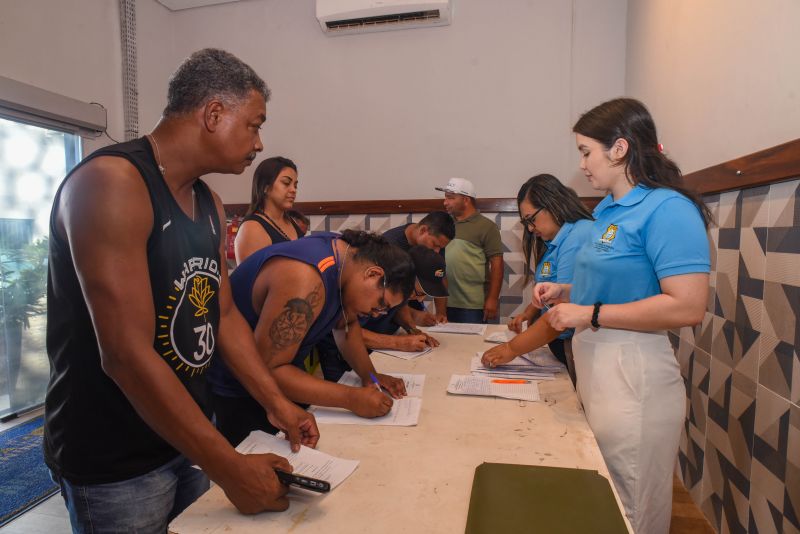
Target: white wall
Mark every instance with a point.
(71, 48)
(390, 115)
(721, 77)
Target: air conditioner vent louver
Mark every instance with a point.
(399, 18)
(343, 17)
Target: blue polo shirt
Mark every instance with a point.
(558, 261)
(634, 242)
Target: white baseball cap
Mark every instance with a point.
(459, 186)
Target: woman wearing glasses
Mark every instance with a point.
(292, 294)
(555, 225)
(643, 271)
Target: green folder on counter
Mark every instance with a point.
(509, 498)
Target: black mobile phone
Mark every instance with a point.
(313, 484)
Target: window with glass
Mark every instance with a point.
(33, 161)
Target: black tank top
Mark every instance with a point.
(92, 433)
(274, 234)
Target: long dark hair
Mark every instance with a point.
(627, 118)
(396, 263)
(265, 175)
(547, 192)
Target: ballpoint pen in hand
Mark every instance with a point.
(375, 381)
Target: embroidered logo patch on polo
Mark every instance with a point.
(547, 268)
(610, 233)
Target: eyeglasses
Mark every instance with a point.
(383, 306)
(530, 220)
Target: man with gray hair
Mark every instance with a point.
(139, 303)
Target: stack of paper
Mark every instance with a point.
(519, 367)
(459, 328)
(543, 357)
(403, 355)
(404, 412)
(307, 461)
(493, 387)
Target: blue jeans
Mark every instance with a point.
(464, 315)
(143, 504)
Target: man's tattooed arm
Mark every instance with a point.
(292, 324)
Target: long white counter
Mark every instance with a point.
(418, 479)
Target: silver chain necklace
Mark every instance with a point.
(158, 154)
(163, 170)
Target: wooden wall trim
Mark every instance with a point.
(421, 205)
(776, 164)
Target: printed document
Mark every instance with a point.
(414, 383)
(519, 367)
(459, 328)
(404, 412)
(504, 336)
(307, 461)
(488, 387)
(403, 355)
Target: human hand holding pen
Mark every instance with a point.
(428, 340)
(395, 386)
(369, 401)
(251, 484)
(549, 293)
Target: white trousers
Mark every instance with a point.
(635, 401)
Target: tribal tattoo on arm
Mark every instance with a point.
(291, 325)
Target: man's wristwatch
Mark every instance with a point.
(595, 313)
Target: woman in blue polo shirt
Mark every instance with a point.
(555, 224)
(643, 271)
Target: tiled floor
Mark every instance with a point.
(50, 517)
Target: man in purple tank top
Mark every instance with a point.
(293, 295)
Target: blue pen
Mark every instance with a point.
(375, 381)
(545, 307)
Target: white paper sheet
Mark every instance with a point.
(404, 412)
(307, 461)
(403, 355)
(543, 357)
(504, 336)
(484, 386)
(414, 383)
(459, 328)
(519, 367)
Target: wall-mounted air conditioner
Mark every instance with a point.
(341, 17)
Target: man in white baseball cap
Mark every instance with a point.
(459, 186)
(474, 258)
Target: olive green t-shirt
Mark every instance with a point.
(477, 239)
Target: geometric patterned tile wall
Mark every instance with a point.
(513, 297)
(740, 449)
